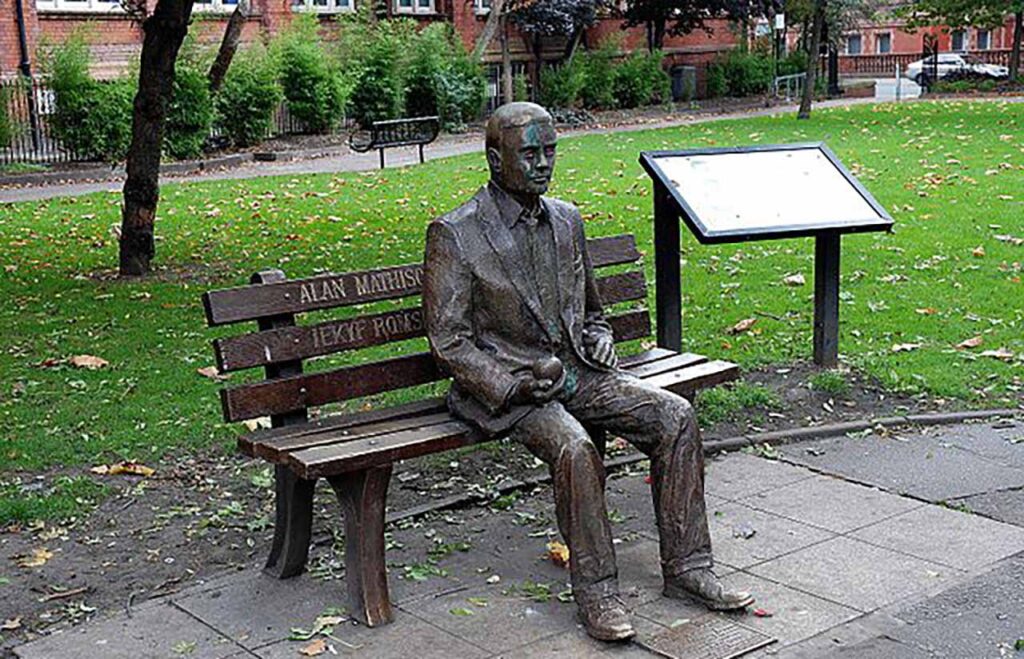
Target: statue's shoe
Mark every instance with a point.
(606, 619)
(703, 585)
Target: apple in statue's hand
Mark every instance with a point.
(548, 368)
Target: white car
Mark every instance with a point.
(954, 63)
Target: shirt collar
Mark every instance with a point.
(510, 208)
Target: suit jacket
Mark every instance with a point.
(483, 313)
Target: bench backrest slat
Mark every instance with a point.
(232, 305)
(274, 397)
(302, 342)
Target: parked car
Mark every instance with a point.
(954, 63)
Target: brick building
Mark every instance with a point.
(116, 40)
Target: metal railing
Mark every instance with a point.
(883, 65)
(28, 107)
(790, 86)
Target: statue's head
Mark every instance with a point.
(521, 148)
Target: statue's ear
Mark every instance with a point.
(494, 159)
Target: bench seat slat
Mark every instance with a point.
(673, 363)
(302, 342)
(359, 453)
(232, 305)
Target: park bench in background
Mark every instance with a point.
(396, 132)
(355, 451)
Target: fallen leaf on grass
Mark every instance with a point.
(978, 252)
(1002, 354)
(742, 326)
(794, 280)
(927, 311)
(558, 553)
(905, 347)
(212, 373)
(11, 624)
(319, 646)
(37, 558)
(128, 468)
(972, 342)
(91, 362)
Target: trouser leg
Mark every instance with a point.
(664, 427)
(555, 437)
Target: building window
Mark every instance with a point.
(883, 43)
(322, 6)
(482, 6)
(97, 6)
(853, 44)
(984, 39)
(959, 41)
(214, 6)
(414, 6)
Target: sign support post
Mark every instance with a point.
(668, 292)
(826, 299)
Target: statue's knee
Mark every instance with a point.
(680, 422)
(580, 450)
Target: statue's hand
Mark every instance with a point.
(602, 351)
(532, 391)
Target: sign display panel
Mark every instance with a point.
(729, 195)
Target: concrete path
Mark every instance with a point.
(348, 161)
(840, 540)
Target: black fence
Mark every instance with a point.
(28, 107)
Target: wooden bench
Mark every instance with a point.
(396, 132)
(355, 451)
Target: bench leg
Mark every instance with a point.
(421, 154)
(381, 158)
(362, 495)
(293, 524)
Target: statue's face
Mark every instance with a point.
(528, 158)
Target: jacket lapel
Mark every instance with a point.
(500, 239)
(564, 261)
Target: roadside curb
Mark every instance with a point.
(777, 437)
(117, 172)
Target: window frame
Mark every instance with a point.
(887, 36)
(964, 41)
(860, 43)
(480, 9)
(415, 9)
(988, 39)
(80, 6)
(332, 7)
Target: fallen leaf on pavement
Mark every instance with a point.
(742, 326)
(129, 468)
(319, 646)
(37, 558)
(558, 553)
(91, 362)
(11, 624)
(459, 611)
(212, 373)
(972, 342)
(905, 347)
(794, 280)
(763, 613)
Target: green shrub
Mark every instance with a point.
(794, 62)
(190, 113)
(379, 92)
(560, 86)
(640, 80)
(598, 66)
(312, 86)
(92, 118)
(249, 97)
(740, 73)
(6, 125)
(442, 80)
(520, 88)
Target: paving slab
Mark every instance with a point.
(945, 536)
(924, 465)
(740, 475)
(576, 644)
(831, 503)
(732, 525)
(1002, 441)
(406, 638)
(854, 574)
(1004, 506)
(879, 648)
(155, 631)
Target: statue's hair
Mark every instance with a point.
(513, 115)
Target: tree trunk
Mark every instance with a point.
(659, 34)
(813, 60)
(538, 64)
(507, 88)
(573, 43)
(1018, 34)
(494, 21)
(163, 33)
(228, 46)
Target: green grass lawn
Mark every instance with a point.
(951, 173)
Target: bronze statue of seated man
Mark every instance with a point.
(513, 315)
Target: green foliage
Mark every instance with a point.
(6, 124)
(312, 86)
(62, 497)
(442, 79)
(794, 62)
(190, 113)
(90, 117)
(249, 97)
(722, 403)
(598, 66)
(741, 73)
(561, 86)
(520, 89)
(641, 80)
(379, 91)
(830, 382)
